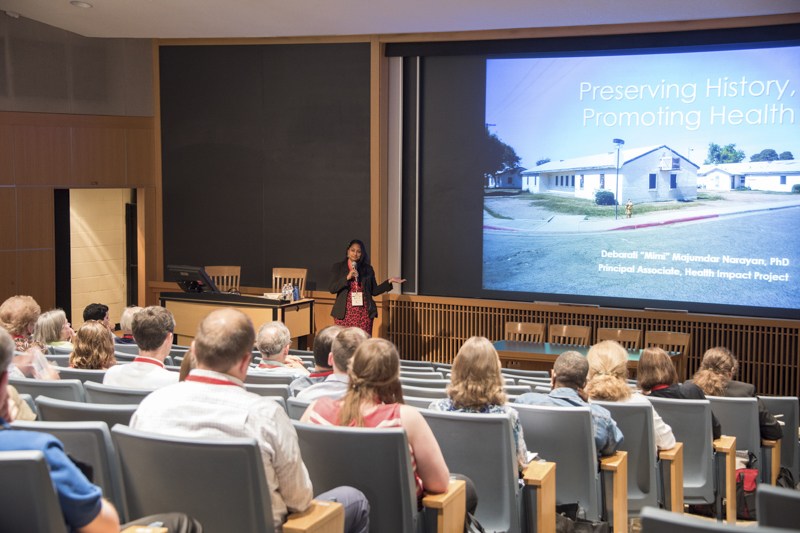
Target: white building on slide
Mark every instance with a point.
(649, 174)
(776, 176)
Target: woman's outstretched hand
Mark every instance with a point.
(395, 279)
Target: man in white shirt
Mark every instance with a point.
(213, 403)
(342, 350)
(152, 328)
(322, 366)
(273, 342)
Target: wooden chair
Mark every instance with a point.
(525, 331)
(671, 341)
(630, 339)
(575, 335)
(226, 278)
(295, 276)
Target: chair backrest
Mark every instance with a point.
(126, 348)
(543, 389)
(63, 389)
(421, 364)
(268, 378)
(58, 350)
(516, 390)
(375, 461)
(29, 400)
(739, 418)
(52, 410)
(302, 353)
(525, 331)
(28, 500)
(89, 442)
(636, 423)
(565, 436)
(421, 375)
(432, 383)
(790, 447)
(226, 278)
(99, 393)
(778, 507)
(661, 521)
(60, 360)
(82, 375)
(295, 276)
(574, 335)
(219, 482)
(489, 460)
(296, 407)
(419, 403)
(527, 374)
(671, 341)
(281, 391)
(690, 421)
(507, 381)
(630, 339)
(424, 392)
(442, 367)
(178, 351)
(124, 357)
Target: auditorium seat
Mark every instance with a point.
(59, 360)
(789, 410)
(432, 383)
(661, 521)
(52, 410)
(778, 507)
(106, 394)
(82, 375)
(28, 501)
(422, 365)
(421, 375)
(132, 349)
(296, 407)
(281, 391)
(63, 389)
(264, 378)
(424, 392)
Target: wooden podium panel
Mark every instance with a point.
(190, 309)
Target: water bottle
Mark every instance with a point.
(295, 293)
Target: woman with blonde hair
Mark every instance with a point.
(476, 386)
(608, 371)
(18, 316)
(53, 329)
(94, 349)
(375, 399)
(126, 325)
(657, 377)
(715, 378)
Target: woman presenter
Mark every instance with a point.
(353, 283)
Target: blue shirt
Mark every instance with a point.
(607, 436)
(80, 500)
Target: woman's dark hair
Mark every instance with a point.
(364, 255)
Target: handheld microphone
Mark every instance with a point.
(355, 267)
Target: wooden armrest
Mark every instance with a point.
(675, 490)
(727, 446)
(775, 460)
(451, 507)
(542, 475)
(617, 464)
(320, 517)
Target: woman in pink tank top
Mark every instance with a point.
(375, 399)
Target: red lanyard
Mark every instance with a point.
(265, 365)
(210, 381)
(659, 387)
(148, 360)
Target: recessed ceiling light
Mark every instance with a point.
(81, 4)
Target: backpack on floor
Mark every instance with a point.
(746, 482)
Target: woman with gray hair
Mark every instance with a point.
(53, 329)
(126, 325)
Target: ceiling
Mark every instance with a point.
(278, 18)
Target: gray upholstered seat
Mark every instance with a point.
(63, 389)
(263, 378)
(82, 375)
(787, 407)
(28, 500)
(296, 408)
(778, 507)
(424, 392)
(52, 410)
(268, 390)
(99, 393)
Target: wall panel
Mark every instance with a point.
(42, 155)
(139, 157)
(98, 156)
(36, 275)
(6, 154)
(8, 274)
(8, 218)
(35, 220)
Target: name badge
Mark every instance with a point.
(357, 299)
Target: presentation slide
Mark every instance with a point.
(654, 176)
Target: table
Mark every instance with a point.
(189, 309)
(542, 355)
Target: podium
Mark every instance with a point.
(189, 309)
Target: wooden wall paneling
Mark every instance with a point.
(8, 218)
(37, 276)
(156, 246)
(6, 154)
(8, 274)
(35, 217)
(99, 156)
(42, 155)
(139, 157)
(148, 237)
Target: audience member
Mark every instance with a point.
(97, 312)
(322, 366)
(18, 316)
(188, 364)
(94, 349)
(126, 325)
(342, 350)
(608, 371)
(568, 380)
(213, 403)
(53, 329)
(375, 399)
(476, 386)
(715, 378)
(82, 503)
(152, 329)
(657, 377)
(273, 342)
